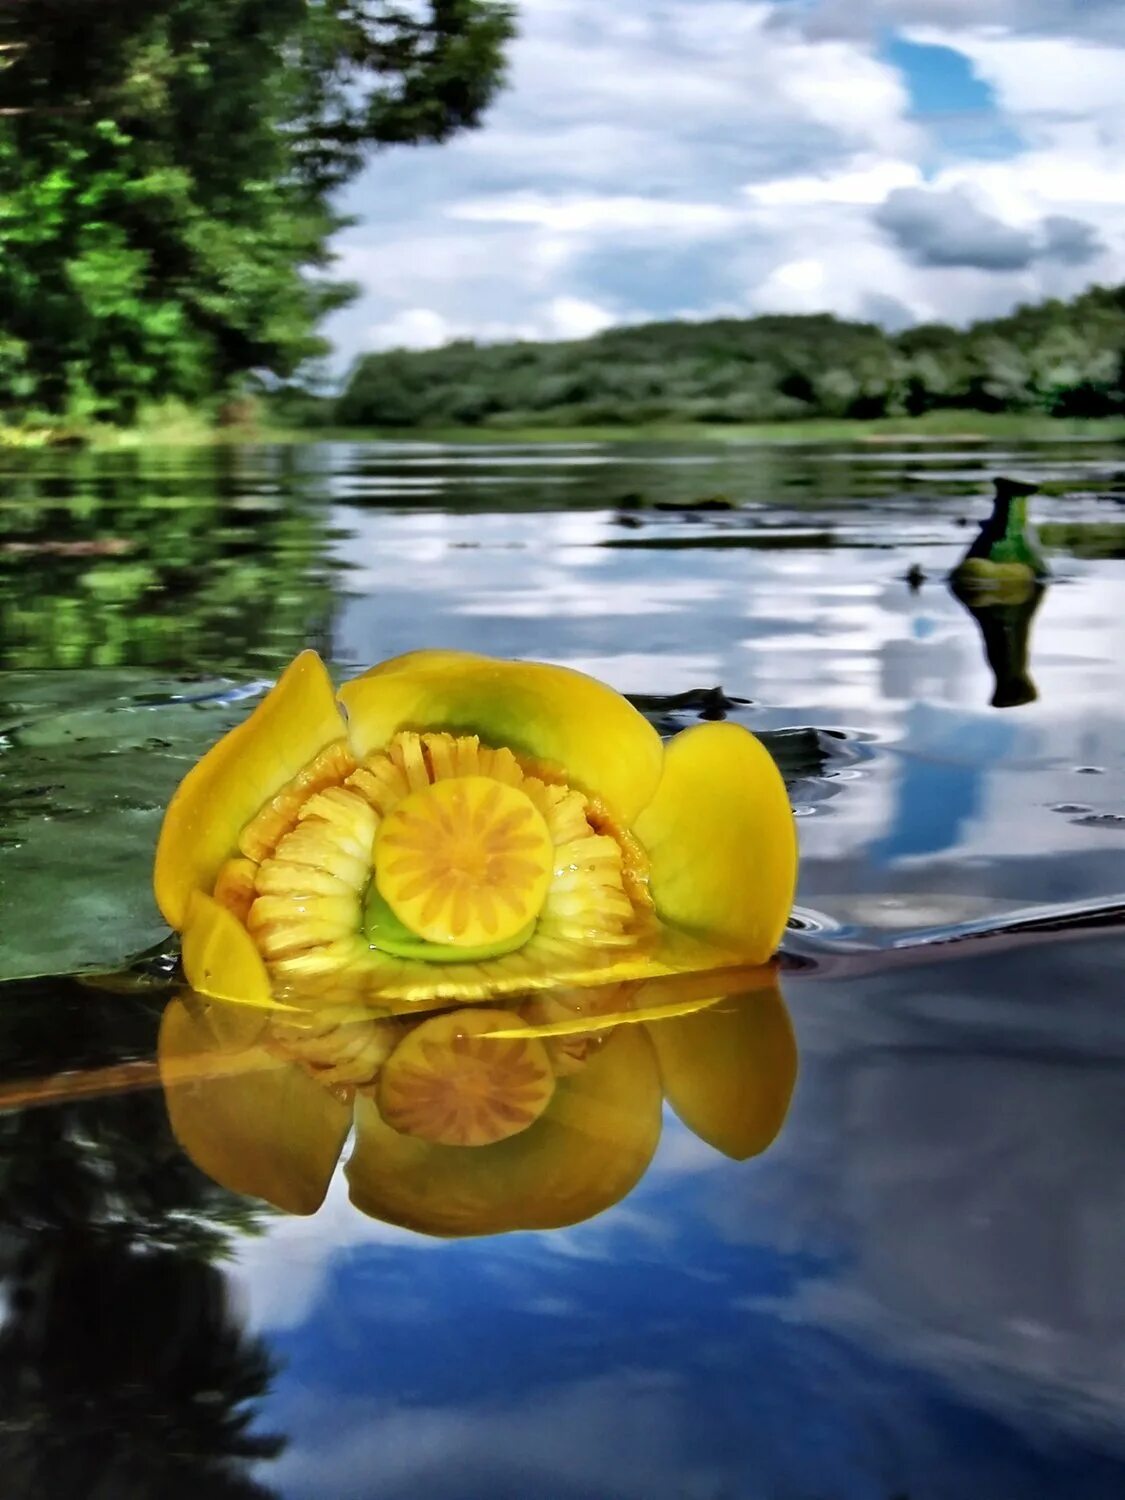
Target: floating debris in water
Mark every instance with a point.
(706, 703)
(704, 503)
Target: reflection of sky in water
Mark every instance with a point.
(917, 1291)
(951, 796)
(857, 1314)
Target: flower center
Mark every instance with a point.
(436, 868)
(465, 862)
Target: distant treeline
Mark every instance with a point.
(1064, 359)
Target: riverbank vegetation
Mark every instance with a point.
(1056, 359)
(168, 178)
(174, 426)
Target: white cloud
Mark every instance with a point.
(280, 1275)
(599, 214)
(633, 1424)
(797, 286)
(1091, 19)
(426, 328)
(1066, 99)
(576, 318)
(847, 90)
(698, 157)
(1035, 75)
(866, 180)
(413, 328)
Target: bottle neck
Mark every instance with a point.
(1011, 514)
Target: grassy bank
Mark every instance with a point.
(184, 429)
(945, 427)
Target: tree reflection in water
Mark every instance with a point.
(141, 559)
(124, 1369)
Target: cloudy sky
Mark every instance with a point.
(899, 160)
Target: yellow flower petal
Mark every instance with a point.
(656, 999)
(219, 956)
(550, 713)
(589, 1148)
(729, 1071)
(720, 837)
(251, 1121)
(294, 721)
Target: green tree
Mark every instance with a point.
(1061, 358)
(166, 170)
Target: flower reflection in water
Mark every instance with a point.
(474, 1121)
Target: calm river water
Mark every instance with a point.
(916, 1291)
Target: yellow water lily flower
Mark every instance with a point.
(453, 828)
(475, 1120)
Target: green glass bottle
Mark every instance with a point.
(1000, 581)
(1006, 551)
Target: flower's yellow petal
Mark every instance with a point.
(219, 956)
(254, 1122)
(550, 713)
(728, 1071)
(402, 986)
(721, 840)
(589, 1148)
(296, 719)
(651, 1000)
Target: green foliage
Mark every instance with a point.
(1062, 359)
(165, 177)
(141, 563)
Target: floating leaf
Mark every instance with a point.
(87, 764)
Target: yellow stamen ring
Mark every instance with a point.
(464, 862)
(305, 886)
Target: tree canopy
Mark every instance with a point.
(166, 178)
(1061, 358)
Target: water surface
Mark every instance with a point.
(915, 1291)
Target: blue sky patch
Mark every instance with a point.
(947, 96)
(940, 79)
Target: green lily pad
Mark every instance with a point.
(87, 764)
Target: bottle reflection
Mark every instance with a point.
(478, 1120)
(1001, 581)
